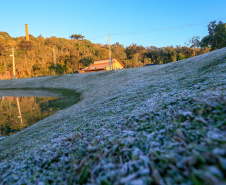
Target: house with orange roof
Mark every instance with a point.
(103, 65)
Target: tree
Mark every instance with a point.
(76, 37)
(173, 56)
(217, 36)
(59, 69)
(133, 49)
(147, 61)
(102, 53)
(86, 61)
(36, 68)
(118, 51)
(194, 42)
(2, 46)
(26, 45)
(4, 34)
(181, 57)
(205, 42)
(52, 41)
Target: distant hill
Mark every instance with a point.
(36, 56)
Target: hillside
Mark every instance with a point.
(163, 124)
(36, 56)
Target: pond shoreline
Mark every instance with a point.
(23, 107)
(27, 93)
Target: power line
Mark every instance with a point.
(156, 30)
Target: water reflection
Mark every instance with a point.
(17, 113)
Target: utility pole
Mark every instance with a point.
(110, 51)
(20, 115)
(14, 70)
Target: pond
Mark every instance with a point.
(21, 108)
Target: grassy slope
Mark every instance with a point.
(161, 124)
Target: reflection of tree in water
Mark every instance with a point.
(20, 113)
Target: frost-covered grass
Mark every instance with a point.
(161, 124)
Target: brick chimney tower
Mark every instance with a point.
(26, 31)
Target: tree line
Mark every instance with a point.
(35, 57)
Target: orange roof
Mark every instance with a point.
(100, 65)
(97, 66)
(108, 59)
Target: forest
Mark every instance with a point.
(36, 56)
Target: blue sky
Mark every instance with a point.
(128, 21)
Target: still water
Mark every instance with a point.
(20, 109)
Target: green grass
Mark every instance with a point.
(67, 98)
